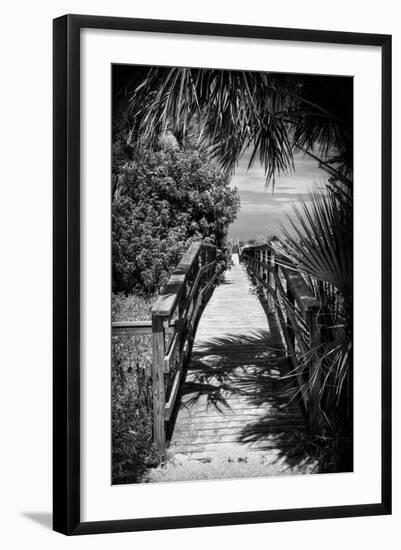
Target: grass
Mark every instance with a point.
(227, 463)
(130, 308)
(132, 446)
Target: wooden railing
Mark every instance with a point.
(132, 328)
(175, 316)
(297, 312)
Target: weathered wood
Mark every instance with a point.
(168, 409)
(232, 384)
(168, 298)
(217, 424)
(204, 450)
(169, 358)
(200, 274)
(293, 297)
(296, 283)
(291, 316)
(176, 313)
(131, 328)
(158, 344)
(176, 284)
(302, 294)
(290, 342)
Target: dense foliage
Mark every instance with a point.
(271, 114)
(133, 450)
(164, 200)
(322, 249)
(125, 308)
(166, 195)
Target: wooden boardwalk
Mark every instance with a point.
(232, 396)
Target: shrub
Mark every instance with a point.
(165, 200)
(162, 201)
(128, 308)
(132, 446)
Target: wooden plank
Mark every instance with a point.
(168, 298)
(292, 318)
(194, 314)
(163, 323)
(168, 409)
(193, 291)
(239, 419)
(201, 272)
(276, 439)
(169, 358)
(299, 291)
(209, 429)
(291, 351)
(159, 434)
(209, 284)
(303, 295)
(167, 301)
(232, 382)
(132, 328)
(218, 446)
(241, 415)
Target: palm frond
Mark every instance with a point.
(273, 114)
(233, 110)
(320, 243)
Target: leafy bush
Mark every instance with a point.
(133, 450)
(164, 200)
(128, 308)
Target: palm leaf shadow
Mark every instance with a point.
(247, 368)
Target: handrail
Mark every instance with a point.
(293, 303)
(172, 326)
(179, 305)
(168, 298)
(131, 327)
(136, 328)
(304, 297)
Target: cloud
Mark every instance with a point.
(262, 209)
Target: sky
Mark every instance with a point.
(261, 208)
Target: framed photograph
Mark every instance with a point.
(222, 274)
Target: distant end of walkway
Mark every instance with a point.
(232, 404)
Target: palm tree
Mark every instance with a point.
(320, 247)
(226, 112)
(273, 115)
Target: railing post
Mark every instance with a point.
(158, 349)
(273, 283)
(291, 301)
(314, 371)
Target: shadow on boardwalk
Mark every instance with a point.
(233, 395)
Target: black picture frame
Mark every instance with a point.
(66, 281)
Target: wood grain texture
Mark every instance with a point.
(232, 395)
(158, 351)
